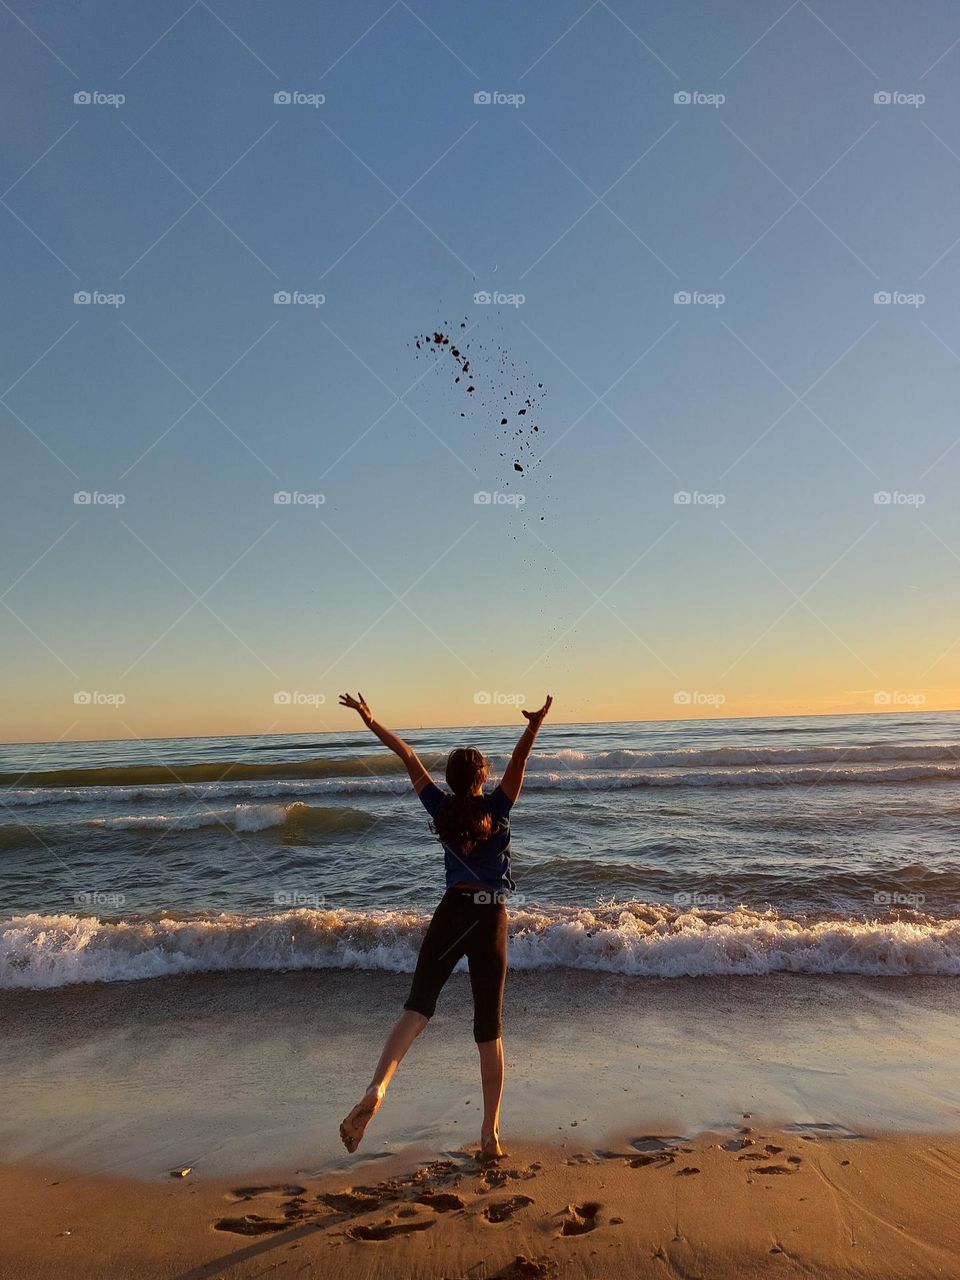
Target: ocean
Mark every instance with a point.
(809, 845)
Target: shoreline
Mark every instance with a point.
(248, 1070)
(764, 1202)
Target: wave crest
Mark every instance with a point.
(595, 780)
(564, 769)
(639, 939)
(245, 817)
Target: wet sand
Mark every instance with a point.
(242, 1071)
(775, 1125)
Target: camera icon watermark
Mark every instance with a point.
(496, 897)
(695, 98)
(297, 298)
(294, 498)
(94, 98)
(894, 98)
(299, 898)
(494, 98)
(694, 498)
(898, 698)
(296, 98)
(894, 498)
(93, 498)
(494, 698)
(496, 499)
(95, 298)
(96, 698)
(99, 898)
(495, 298)
(896, 298)
(696, 899)
(697, 298)
(894, 899)
(697, 698)
(297, 698)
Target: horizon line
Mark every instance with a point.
(196, 737)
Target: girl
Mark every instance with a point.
(471, 920)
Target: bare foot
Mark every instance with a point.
(490, 1148)
(354, 1126)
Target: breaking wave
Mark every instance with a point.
(640, 939)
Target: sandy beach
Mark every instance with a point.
(721, 1128)
(763, 1203)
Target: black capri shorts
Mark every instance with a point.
(472, 924)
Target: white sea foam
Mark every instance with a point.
(240, 817)
(766, 757)
(165, 793)
(645, 940)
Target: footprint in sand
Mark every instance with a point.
(522, 1266)
(687, 1171)
(351, 1200)
(255, 1224)
(774, 1168)
(498, 1177)
(297, 1210)
(662, 1159)
(580, 1219)
(503, 1210)
(278, 1189)
(441, 1201)
(251, 1224)
(639, 1162)
(438, 1171)
(386, 1230)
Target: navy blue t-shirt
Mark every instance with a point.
(488, 863)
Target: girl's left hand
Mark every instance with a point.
(356, 704)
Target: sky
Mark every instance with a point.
(723, 237)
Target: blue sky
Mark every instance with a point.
(598, 198)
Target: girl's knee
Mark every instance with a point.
(422, 1010)
(486, 1033)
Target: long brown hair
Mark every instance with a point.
(463, 822)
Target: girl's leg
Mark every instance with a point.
(487, 958)
(442, 947)
(405, 1030)
(491, 1078)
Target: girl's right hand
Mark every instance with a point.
(536, 717)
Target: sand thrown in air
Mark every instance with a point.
(505, 399)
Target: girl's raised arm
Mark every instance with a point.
(414, 765)
(512, 779)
